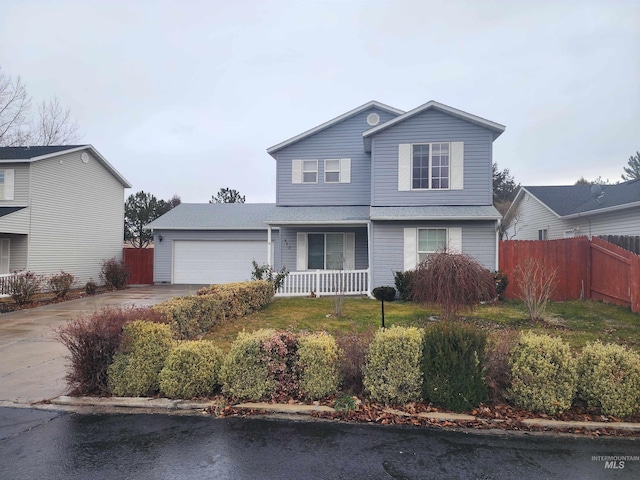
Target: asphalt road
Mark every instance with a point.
(36, 444)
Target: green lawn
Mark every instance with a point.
(577, 322)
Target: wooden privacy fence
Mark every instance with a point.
(628, 242)
(140, 263)
(590, 269)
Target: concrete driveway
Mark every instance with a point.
(33, 364)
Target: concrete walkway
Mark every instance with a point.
(33, 363)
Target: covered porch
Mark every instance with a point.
(325, 249)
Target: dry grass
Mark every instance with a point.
(577, 322)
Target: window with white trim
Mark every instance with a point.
(332, 170)
(337, 170)
(7, 184)
(543, 234)
(304, 171)
(430, 241)
(310, 171)
(325, 251)
(430, 166)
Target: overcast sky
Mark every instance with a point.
(185, 97)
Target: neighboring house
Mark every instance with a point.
(366, 194)
(553, 212)
(61, 208)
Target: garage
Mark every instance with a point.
(218, 261)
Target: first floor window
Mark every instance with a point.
(325, 251)
(430, 241)
(543, 234)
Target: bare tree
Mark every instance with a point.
(52, 125)
(15, 111)
(510, 223)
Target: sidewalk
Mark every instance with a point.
(33, 362)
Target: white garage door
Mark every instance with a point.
(205, 262)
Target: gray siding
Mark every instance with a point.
(426, 127)
(478, 240)
(343, 140)
(533, 216)
(17, 222)
(290, 244)
(17, 252)
(77, 216)
(163, 251)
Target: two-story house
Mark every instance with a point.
(61, 208)
(366, 194)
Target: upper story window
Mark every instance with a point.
(332, 171)
(336, 170)
(310, 171)
(6, 184)
(430, 166)
(304, 171)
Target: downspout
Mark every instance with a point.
(269, 259)
(498, 221)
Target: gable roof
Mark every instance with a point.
(36, 153)
(215, 216)
(432, 105)
(580, 200)
(272, 150)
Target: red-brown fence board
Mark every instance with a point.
(635, 283)
(565, 256)
(611, 269)
(140, 263)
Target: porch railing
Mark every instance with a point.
(325, 282)
(6, 280)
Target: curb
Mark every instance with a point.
(165, 405)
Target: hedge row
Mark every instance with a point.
(194, 315)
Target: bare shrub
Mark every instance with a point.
(61, 284)
(353, 354)
(114, 274)
(93, 340)
(24, 287)
(537, 283)
(453, 281)
(497, 367)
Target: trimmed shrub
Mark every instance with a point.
(403, 282)
(192, 315)
(497, 366)
(452, 366)
(392, 373)
(191, 370)
(544, 374)
(143, 351)
(318, 357)
(24, 287)
(245, 370)
(114, 274)
(353, 355)
(61, 284)
(195, 315)
(388, 294)
(93, 340)
(452, 281)
(609, 378)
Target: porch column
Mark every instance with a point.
(269, 260)
(369, 267)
